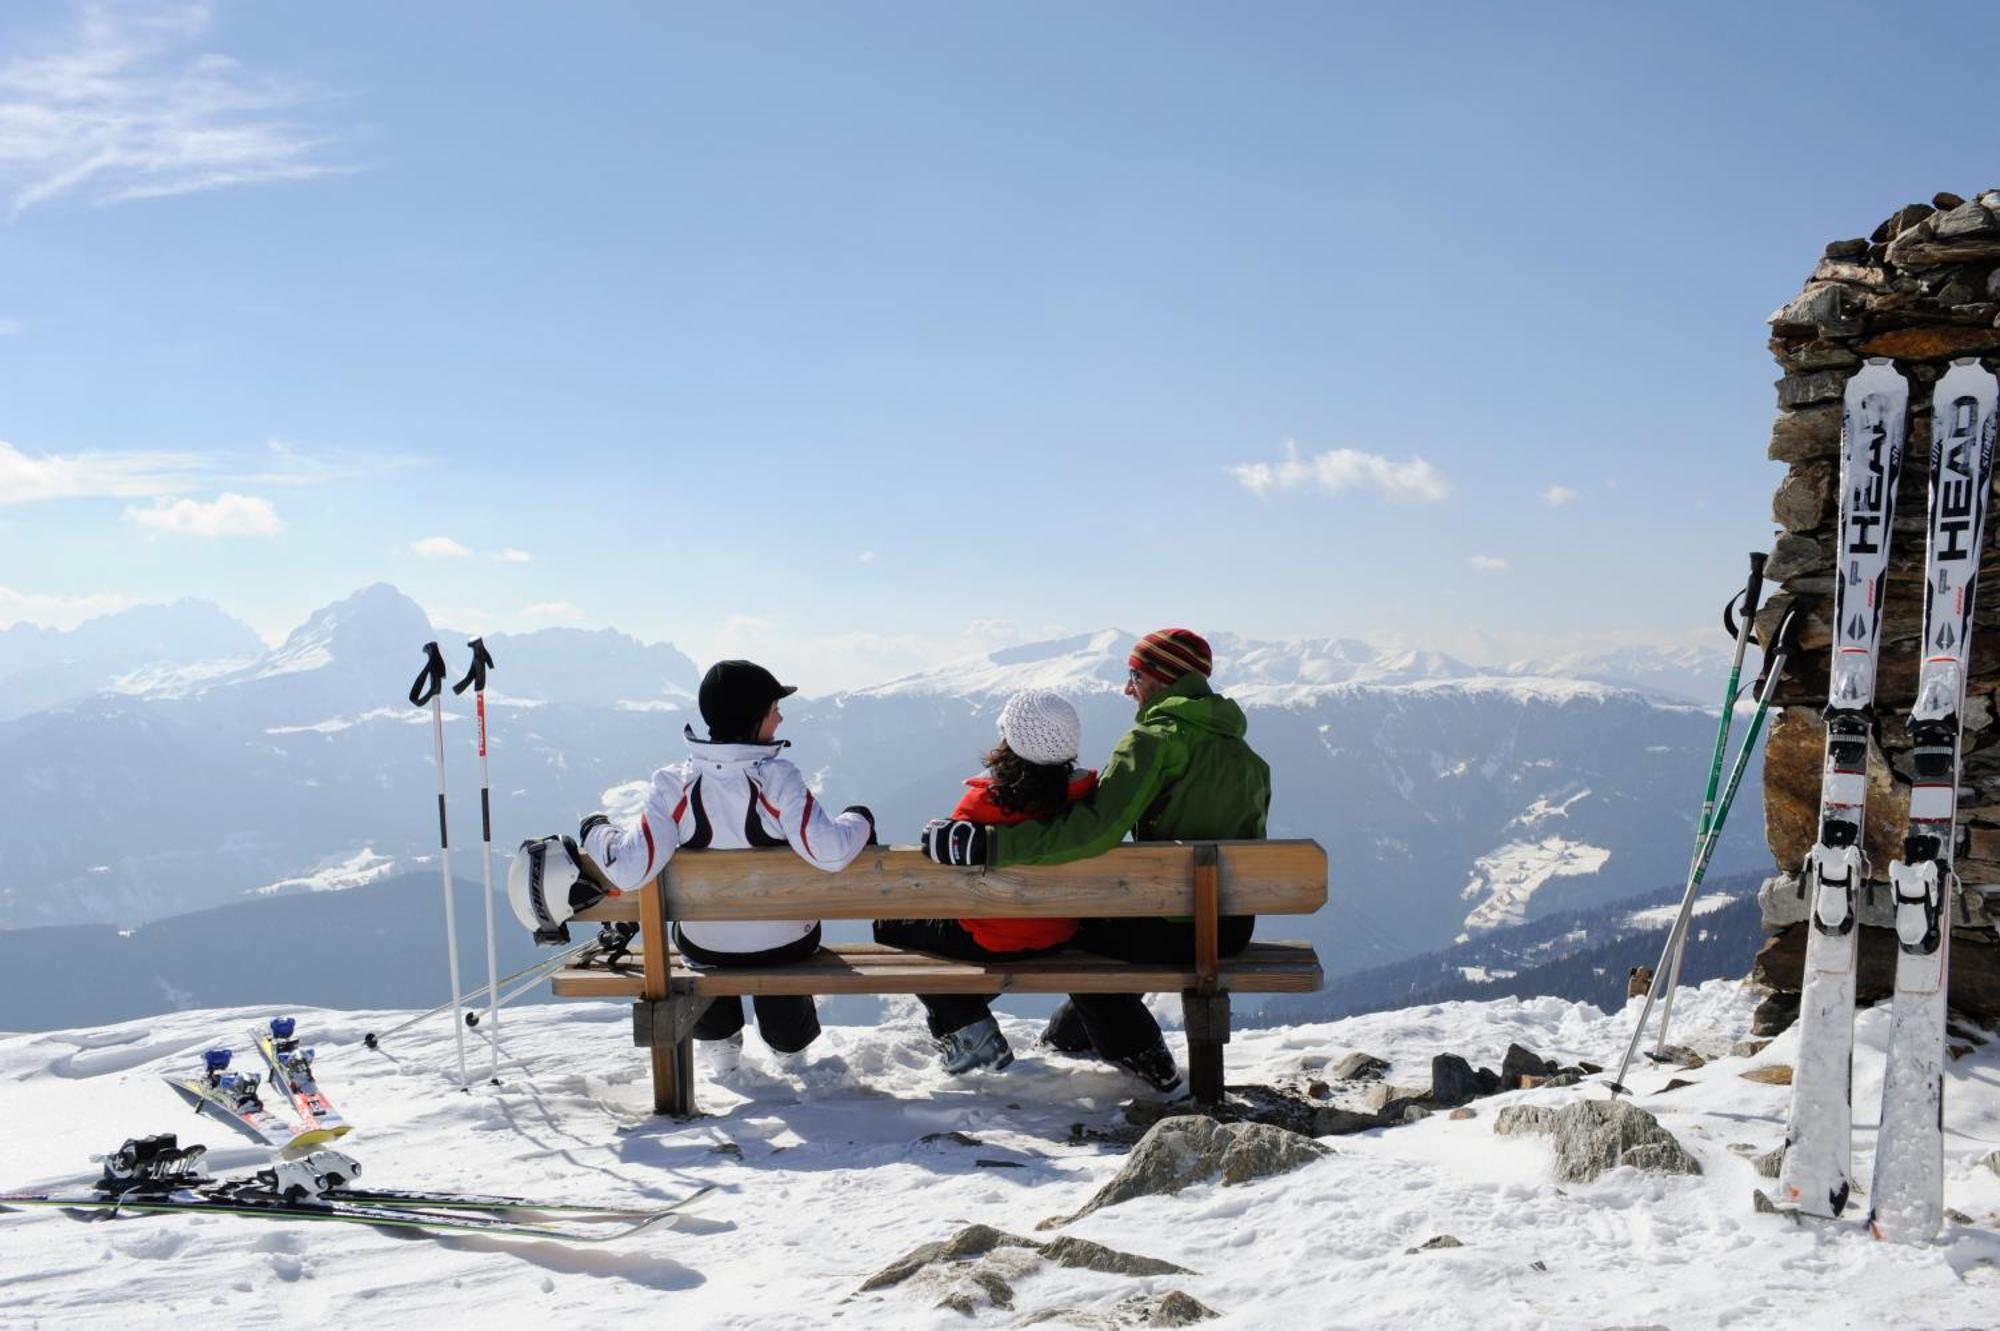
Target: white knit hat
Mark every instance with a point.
(1041, 726)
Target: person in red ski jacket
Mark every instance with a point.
(1030, 774)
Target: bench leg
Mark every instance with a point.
(1206, 1017)
(673, 1079)
(663, 1028)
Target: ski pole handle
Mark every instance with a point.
(475, 675)
(431, 678)
(1784, 643)
(1753, 592)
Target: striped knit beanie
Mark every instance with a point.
(1167, 654)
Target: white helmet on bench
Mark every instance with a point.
(546, 886)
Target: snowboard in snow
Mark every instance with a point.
(248, 1114)
(292, 1073)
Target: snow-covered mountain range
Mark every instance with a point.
(41, 668)
(1452, 798)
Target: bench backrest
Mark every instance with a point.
(892, 882)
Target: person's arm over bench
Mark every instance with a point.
(1142, 764)
(633, 853)
(828, 843)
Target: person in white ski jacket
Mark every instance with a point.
(735, 792)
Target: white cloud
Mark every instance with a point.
(287, 464)
(551, 610)
(127, 106)
(1487, 564)
(1344, 469)
(439, 547)
(9, 327)
(1558, 495)
(225, 515)
(56, 612)
(512, 556)
(865, 557)
(25, 479)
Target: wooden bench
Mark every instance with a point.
(1202, 879)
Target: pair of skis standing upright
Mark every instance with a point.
(1907, 1194)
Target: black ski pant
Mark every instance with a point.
(1118, 1025)
(787, 1023)
(946, 1013)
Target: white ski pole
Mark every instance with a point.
(429, 688)
(475, 679)
(373, 1039)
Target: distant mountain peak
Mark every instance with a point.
(375, 623)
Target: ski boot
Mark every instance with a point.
(980, 1045)
(1154, 1066)
(1065, 1033)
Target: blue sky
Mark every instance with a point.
(855, 336)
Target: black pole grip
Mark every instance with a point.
(431, 678)
(1784, 643)
(475, 676)
(1752, 593)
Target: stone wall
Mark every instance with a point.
(1924, 289)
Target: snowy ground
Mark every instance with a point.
(826, 1177)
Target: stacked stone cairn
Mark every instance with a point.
(1924, 290)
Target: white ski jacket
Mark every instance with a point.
(727, 797)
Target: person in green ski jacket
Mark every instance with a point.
(1183, 772)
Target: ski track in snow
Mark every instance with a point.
(825, 1178)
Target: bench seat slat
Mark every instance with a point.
(865, 968)
(897, 882)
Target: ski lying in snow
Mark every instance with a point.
(232, 1097)
(292, 1072)
(330, 1176)
(265, 1206)
(474, 1201)
(1818, 1136)
(157, 1173)
(1908, 1193)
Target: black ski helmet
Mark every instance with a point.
(734, 697)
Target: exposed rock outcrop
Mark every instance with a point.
(979, 1266)
(1179, 1152)
(1595, 1135)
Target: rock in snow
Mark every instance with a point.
(1192, 1148)
(977, 1266)
(1595, 1135)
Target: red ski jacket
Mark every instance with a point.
(977, 806)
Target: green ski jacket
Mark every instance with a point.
(1181, 773)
